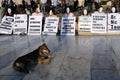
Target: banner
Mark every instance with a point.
(20, 23)
(68, 26)
(114, 22)
(99, 23)
(6, 25)
(84, 24)
(51, 25)
(35, 25)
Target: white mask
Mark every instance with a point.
(50, 12)
(9, 10)
(85, 12)
(68, 10)
(113, 9)
(38, 9)
(101, 10)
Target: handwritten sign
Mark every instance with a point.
(35, 25)
(20, 23)
(114, 22)
(68, 26)
(84, 24)
(99, 23)
(51, 25)
(6, 25)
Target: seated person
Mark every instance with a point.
(52, 13)
(68, 13)
(113, 10)
(100, 10)
(36, 11)
(85, 13)
(9, 12)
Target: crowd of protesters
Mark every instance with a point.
(44, 6)
(53, 7)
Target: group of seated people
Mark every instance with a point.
(67, 14)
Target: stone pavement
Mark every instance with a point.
(76, 57)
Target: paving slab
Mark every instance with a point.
(76, 57)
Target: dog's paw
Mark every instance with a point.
(51, 56)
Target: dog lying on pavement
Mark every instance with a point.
(39, 56)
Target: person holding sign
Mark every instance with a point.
(36, 11)
(85, 12)
(52, 13)
(100, 10)
(68, 13)
(9, 12)
(68, 23)
(113, 10)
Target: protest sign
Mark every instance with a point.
(51, 25)
(84, 24)
(20, 23)
(6, 25)
(114, 22)
(99, 23)
(35, 25)
(68, 26)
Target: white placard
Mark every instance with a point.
(84, 24)
(99, 23)
(51, 25)
(6, 25)
(114, 22)
(20, 23)
(35, 25)
(68, 26)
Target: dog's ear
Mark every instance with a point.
(43, 46)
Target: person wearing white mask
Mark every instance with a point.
(68, 13)
(9, 12)
(113, 10)
(85, 12)
(100, 10)
(36, 11)
(52, 13)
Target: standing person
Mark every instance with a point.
(97, 4)
(81, 6)
(43, 5)
(75, 4)
(48, 5)
(70, 4)
(54, 2)
(89, 5)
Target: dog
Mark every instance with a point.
(39, 56)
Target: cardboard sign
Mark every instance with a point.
(68, 26)
(6, 25)
(84, 24)
(99, 23)
(35, 25)
(114, 22)
(20, 23)
(51, 25)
